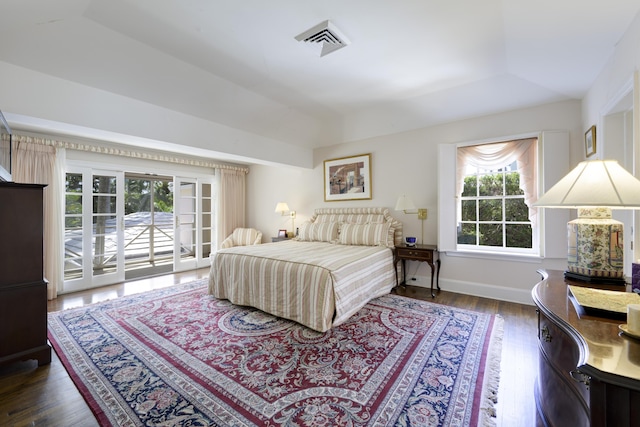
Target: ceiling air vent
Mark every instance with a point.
(324, 38)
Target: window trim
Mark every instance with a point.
(553, 164)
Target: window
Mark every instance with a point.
(493, 212)
(544, 162)
(496, 182)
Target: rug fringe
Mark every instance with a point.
(491, 381)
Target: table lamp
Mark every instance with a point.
(595, 249)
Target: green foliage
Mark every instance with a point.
(470, 186)
(490, 234)
(467, 234)
(491, 185)
(519, 236)
(490, 209)
(468, 210)
(512, 184)
(140, 192)
(137, 197)
(497, 197)
(74, 183)
(516, 210)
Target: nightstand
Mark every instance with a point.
(279, 239)
(426, 253)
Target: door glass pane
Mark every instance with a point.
(148, 225)
(73, 258)
(187, 220)
(105, 244)
(104, 237)
(206, 220)
(104, 184)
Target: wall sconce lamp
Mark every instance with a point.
(283, 208)
(595, 249)
(405, 204)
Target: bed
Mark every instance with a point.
(341, 259)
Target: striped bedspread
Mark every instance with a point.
(317, 284)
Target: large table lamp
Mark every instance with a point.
(595, 240)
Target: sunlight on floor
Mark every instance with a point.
(81, 298)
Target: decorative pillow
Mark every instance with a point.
(324, 232)
(365, 234)
(351, 218)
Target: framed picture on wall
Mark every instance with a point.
(590, 141)
(347, 178)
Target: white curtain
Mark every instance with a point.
(231, 201)
(37, 164)
(496, 155)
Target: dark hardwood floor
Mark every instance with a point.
(46, 396)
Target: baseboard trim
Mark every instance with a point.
(484, 290)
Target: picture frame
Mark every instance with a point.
(590, 141)
(282, 233)
(347, 178)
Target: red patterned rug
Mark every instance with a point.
(178, 356)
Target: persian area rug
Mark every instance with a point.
(178, 356)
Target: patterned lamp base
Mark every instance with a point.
(595, 247)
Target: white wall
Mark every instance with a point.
(617, 73)
(407, 163)
(613, 105)
(69, 108)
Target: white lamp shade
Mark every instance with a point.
(282, 207)
(404, 203)
(595, 183)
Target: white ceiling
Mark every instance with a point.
(410, 63)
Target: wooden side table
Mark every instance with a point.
(279, 239)
(426, 253)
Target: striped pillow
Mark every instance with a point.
(351, 218)
(324, 232)
(365, 234)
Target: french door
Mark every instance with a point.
(148, 225)
(194, 219)
(185, 245)
(93, 232)
(119, 226)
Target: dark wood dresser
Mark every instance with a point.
(23, 289)
(589, 373)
